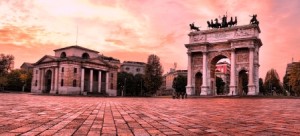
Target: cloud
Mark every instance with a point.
(131, 30)
(115, 41)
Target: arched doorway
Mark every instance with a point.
(219, 75)
(48, 79)
(243, 83)
(198, 83)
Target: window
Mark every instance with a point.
(74, 83)
(85, 56)
(62, 69)
(63, 55)
(62, 82)
(111, 86)
(36, 72)
(111, 75)
(35, 83)
(75, 70)
(138, 70)
(127, 68)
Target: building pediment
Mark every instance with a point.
(46, 58)
(97, 61)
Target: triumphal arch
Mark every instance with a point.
(239, 44)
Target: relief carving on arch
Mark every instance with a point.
(218, 47)
(244, 66)
(243, 57)
(197, 60)
(244, 33)
(200, 48)
(197, 38)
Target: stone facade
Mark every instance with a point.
(240, 44)
(27, 66)
(133, 67)
(167, 85)
(169, 77)
(75, 70)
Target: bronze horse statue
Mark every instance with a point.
(193, 27)
(254, 20)
(231, 22)
(214, 25)
(224, 23)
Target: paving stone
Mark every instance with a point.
(27, 114)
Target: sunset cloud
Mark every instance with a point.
(132, 30)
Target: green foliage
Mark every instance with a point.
(272, 82)
(129, 84)
(261, 86)
(179, 83)
(16, 80)
(153, 74)
(294, 79)
(5, 63)
(220, 84)
(3, 80)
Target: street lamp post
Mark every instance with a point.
(124, 87)
(141, 88)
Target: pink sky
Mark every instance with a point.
(131, 30)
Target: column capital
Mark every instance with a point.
(189, 53)
(232, 49)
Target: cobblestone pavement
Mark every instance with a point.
(27, 114)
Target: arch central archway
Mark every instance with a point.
(219, 75)
(48, 79)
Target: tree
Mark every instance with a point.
(294, 79)
(6, 61)
(140, 84)
(272, 82)
(153, 74)
(14, 81)
(179, 83)
(125, 83)
(261, 86)
(220, 84)
(3, 82)
(130, 85)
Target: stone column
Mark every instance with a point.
(52, 80)
(189, 87)
(39, 79)
(232, 74)
(99, 82)
(107, 82)
(251, 86)
(82, 80)
(42, 79)
(56, 80)
(204, 87)
(91, 80)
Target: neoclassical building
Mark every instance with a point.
(239, 44)
(133, 67)
(75, 70)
